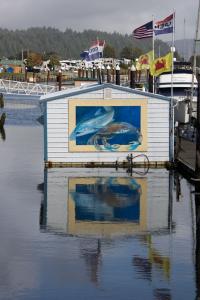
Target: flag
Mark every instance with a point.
(145, 31)
(161, 65)
(144, 61)
(84, 55)
(164, 26)
(100, 43)
(95, 51)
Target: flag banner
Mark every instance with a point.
(144, 31)
(161, 65)
(99, 43)
(164, 26)
(101, 46)
(144, 61)
(84, 55)
(95, 51)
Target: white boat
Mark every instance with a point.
(182, 86)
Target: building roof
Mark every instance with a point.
(95, 87)
(13, 62)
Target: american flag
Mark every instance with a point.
(144, 31)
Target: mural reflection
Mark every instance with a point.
(93, 203)
(123, 223)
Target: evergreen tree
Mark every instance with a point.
(109, 51)
(68, 44)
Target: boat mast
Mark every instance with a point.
(184, 47)
(194, 61)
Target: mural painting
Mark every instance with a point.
(113, 127)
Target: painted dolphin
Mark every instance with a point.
(93, 124)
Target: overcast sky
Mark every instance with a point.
(105, 15)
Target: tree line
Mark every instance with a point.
(68, 44)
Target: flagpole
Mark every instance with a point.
(172, 50)
(153, 48)
(194, 63)
(172, 92)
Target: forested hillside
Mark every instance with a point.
(67, 44)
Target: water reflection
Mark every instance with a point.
(91, 253)
(154, 259)
(2, 119)
(162, 294)
(130, 238)
(197, 254)
(105, 199)
(22, 110)
(105, 206)
(2, 133)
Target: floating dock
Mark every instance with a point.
(104, 125)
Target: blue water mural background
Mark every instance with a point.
(128, 114)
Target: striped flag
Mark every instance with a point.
(164, 26)
(95, 51)
(144, 31)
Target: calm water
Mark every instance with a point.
(91, 234)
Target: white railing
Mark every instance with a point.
(25, 88)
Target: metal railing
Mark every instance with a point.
(25, 88)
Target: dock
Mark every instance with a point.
(187, 153)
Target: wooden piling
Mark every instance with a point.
(86, 73)
(59, 79)
(117, 75)
(197, 167)
(79, 73)
(108, 74)
(94, 73)
(132, 77)
(103, 73)
(150, 83)
(1, 101)
(2, 120)
(99, 76)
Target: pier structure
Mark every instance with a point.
(187, 149)
(25, 88)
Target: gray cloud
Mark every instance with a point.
(105, 15)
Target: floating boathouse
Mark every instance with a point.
(103, 124)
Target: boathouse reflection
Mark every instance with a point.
(101, 208)
(97, 205)
(91, 253)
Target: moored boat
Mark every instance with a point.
(182, 83)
